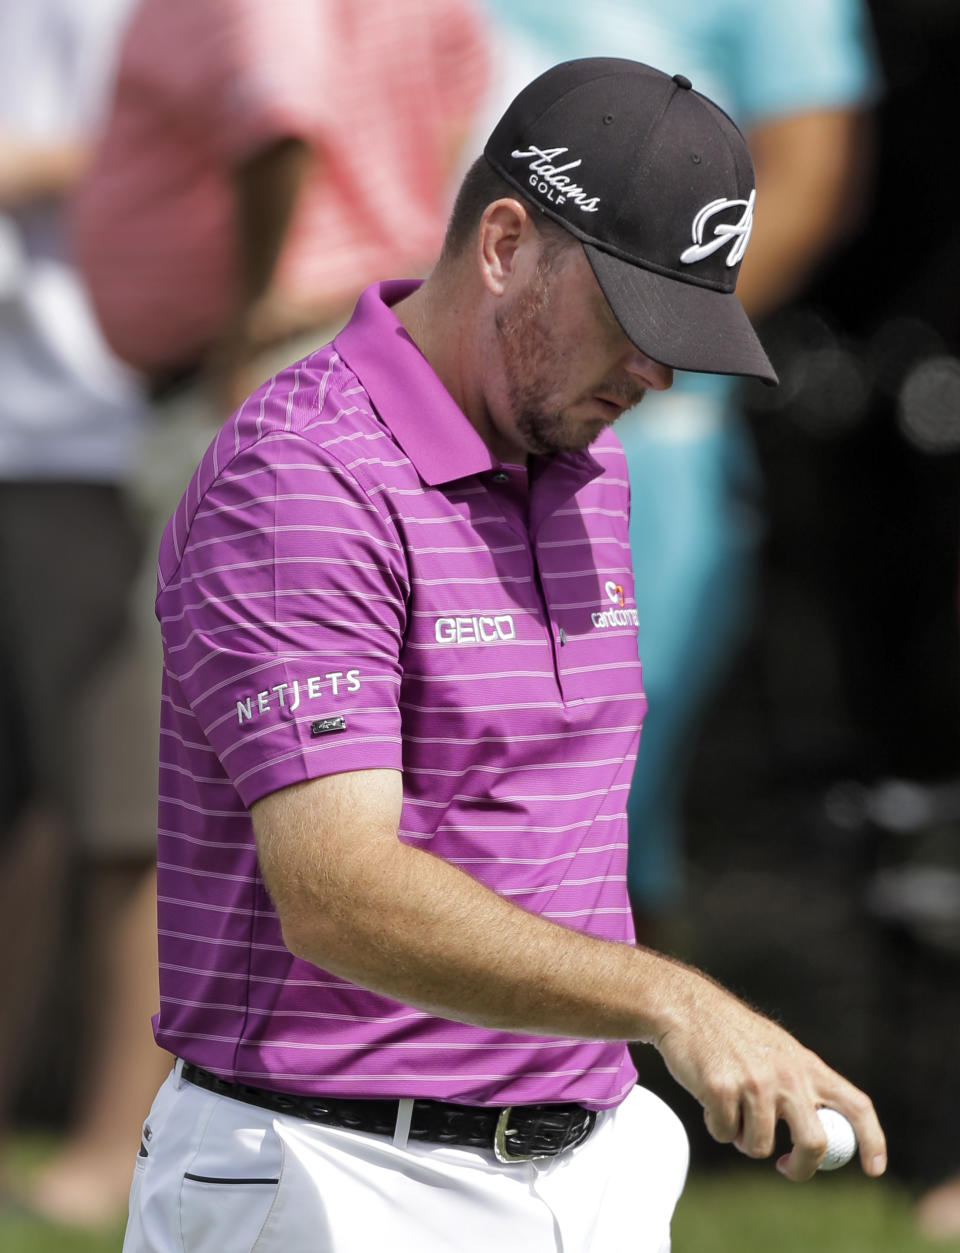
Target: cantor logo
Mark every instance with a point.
(617, 615)
(614, 593)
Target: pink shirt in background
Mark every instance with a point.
(380, 89)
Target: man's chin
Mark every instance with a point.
(546, 436)
(591, 433)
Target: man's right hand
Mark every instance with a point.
(748, 1074)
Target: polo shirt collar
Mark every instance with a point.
(425, 420)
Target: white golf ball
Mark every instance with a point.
(841, 1139)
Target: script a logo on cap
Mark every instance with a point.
(737, 232)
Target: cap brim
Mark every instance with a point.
(680, 324)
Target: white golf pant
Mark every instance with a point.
(215, 1175)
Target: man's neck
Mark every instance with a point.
(438, 320)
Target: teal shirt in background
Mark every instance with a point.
(696, 514)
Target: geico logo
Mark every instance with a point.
(479, 630)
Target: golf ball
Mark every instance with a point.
(841, 1139)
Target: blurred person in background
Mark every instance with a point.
(799, 80)
(251, 182)
(72, 420)
(259, 165)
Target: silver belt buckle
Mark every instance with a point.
(501, 1148)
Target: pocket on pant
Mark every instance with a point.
(224, 1215)
(230, 1184)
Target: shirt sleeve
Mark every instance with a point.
(284, 623)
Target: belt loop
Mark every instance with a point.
(401, 1131)
(177, 1072)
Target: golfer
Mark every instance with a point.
(401, 707)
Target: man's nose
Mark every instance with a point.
(653, 375)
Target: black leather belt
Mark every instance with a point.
(516, 1133)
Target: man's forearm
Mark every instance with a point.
(354, 900)
(394, 918)
(810, 171)
(267, 188)
(31, 172)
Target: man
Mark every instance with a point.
(401, 706)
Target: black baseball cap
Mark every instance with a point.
(657, 183)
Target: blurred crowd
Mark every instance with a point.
(194, 193)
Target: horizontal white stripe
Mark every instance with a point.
(569, 855)
(591, 572)
(540, 738)
(496, 580)
(535, 1044)
(244, 845)
(273, 1013)
(276, 498)
(244, 976)
(234, 537)
(487, 609)
(249, 734)
(632, 664)
(517, 706)
(272, 593)
(468, 550)
(621, 911)
(547, 888)
(377, 463)
(192, 872)
(459, 710)
(453, 520)
(216, 941)
(522, 799)
(503, 771)
(584, 541)
(272, 468)
(195, 576)
(308, 750)
(593, 511)
(210, 907)
(543, 641)
(487, 674)
(187, 745)
(177, 802)
(199, 779)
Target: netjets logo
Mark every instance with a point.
(737, 234)
(617, 615)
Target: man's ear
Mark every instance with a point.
(506, 232)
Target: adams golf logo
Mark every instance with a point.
(553, 181)
(617, 614)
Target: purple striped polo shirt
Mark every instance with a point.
(352, 581)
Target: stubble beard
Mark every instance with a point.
(531, 365)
